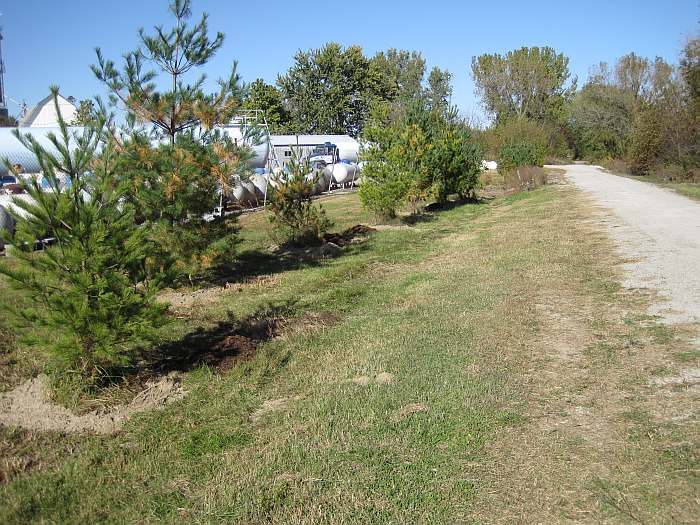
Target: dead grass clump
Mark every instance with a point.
(270, 406)
(182, 301)
(616, 166)
(307, 323)
(408, 410)
(675, 173)
(525, 178)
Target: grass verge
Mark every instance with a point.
(432, 397)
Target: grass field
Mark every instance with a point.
(482, 365)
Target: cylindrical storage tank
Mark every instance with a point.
(260, 184)
(7, 223)
(348, 151)
(325, 180)
(15, 152)
(328, 171)
(250, 188)
(322, 181)
(241, 193)
(340, 173)
(343, 172)
(260, 151)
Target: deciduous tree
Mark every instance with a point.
(530, 82)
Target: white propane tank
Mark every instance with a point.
(339, 172)
(250, 189)
(348, 151)
(7, 222)
(241, 194)
(323, 180)
(344, 172)
(260, 151)
(260, 184)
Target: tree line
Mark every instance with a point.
(639, 110)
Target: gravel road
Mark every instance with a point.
(658, 230)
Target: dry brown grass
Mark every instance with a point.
(598, 435)
(525, 178)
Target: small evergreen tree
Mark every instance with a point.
(395, 171)
(89, 289)
(178, 182)
(295, 218)
(429, 155)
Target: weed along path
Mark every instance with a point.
(482, 366)
(657, 230)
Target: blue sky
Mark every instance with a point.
(48, 42)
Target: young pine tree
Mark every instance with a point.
(296, 219)
(178, 179)
(90, 300)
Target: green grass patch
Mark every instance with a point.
(378, 417)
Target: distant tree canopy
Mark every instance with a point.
(267, 98)
(639, 109)
(690, 71)
(529, 82)
(336, 90)
(439, 90)
(325, 90)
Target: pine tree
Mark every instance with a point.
(90, 299)
(179, 181)
(296, 220)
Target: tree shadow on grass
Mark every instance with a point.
(451, 204)
(430, 211)
(254, 263)
(250, 264)
(418, 217)
(220, 346)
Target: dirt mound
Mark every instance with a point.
(227, 352)
(28, 406)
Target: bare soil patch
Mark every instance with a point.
(28, 406)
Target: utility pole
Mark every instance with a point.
(3, 102)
